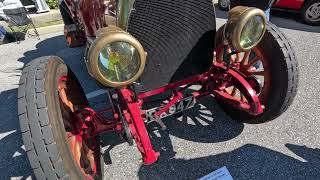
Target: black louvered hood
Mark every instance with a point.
(178, 36)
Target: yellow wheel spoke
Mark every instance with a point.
(238, 57)
(245, 58)
(234, 91)
(258, 73)
(252, 62)
(241, 97)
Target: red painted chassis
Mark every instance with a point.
(127, 105)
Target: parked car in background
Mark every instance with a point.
(309, 9)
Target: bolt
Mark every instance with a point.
(116, 116)
(115, 96)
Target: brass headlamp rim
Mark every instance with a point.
(108, 29)
(238, 18)
(107, 38)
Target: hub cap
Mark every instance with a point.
(253, 64)
(224, 3)
(313, 12)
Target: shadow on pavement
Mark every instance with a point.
(205, 123)
(10, 37)
(44, 48)
(73, 57)
(282, 19)
(247, 162)
(13, 159)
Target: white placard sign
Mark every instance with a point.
(219, 174)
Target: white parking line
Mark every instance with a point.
(5, 134)
(95, 93)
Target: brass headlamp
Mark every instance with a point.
(116, 58)
(245, 28)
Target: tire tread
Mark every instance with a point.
(38, 139)
(292, 67)
(284, 63)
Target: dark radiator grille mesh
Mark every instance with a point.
(178, 36)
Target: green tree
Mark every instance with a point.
(53, 4)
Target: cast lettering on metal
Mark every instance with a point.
(180, 106)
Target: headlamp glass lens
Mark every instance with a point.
(252, 31)
(119, 61)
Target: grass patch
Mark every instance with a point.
(49, 23)
(44, 24)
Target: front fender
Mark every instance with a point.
(92, 14)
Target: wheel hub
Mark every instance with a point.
(254, 66)
(224, 3)
(313, 12)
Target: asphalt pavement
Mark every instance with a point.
(201, 141)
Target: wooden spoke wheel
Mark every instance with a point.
(49, 96)
(274, 65)
(85, 152)
(252, 64)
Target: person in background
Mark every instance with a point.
(264, 5)
(112, 7)
(2, 34)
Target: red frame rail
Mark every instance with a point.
(215, 81)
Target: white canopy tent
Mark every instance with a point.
(41, 6)
(8, 4)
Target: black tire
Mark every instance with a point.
(304, 15)
(223, 6)
(41, 121)
(284, 77)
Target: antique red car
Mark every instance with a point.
(309, 9)
(147, 63)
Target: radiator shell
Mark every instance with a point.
(178, 36)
